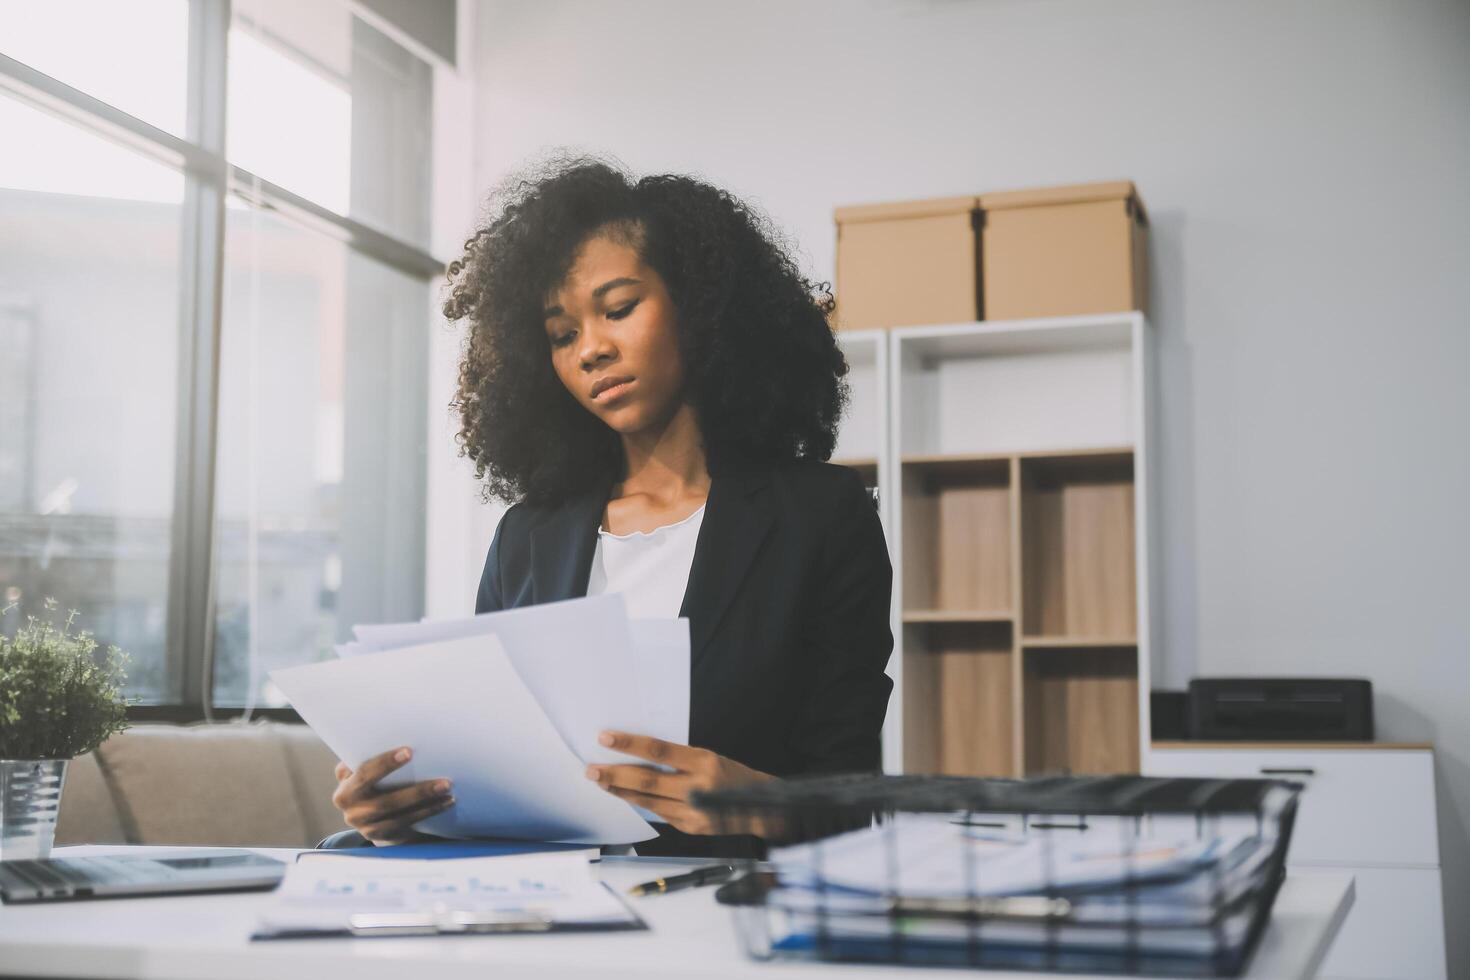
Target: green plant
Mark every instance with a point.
(59, 698)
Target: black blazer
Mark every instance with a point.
(787, 601)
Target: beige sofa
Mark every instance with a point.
(261, 784)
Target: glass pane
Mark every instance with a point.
(134, 56)
(320, 480)
(89, 312)
(328, 107)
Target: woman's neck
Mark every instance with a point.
(666, 464)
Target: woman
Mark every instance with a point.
(653, 382)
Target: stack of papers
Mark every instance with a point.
(508, 706)
(323, 896)
(948, 893)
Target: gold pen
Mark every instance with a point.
(700, 876)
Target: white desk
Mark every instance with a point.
(207, 936)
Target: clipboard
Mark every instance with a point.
(446, 920)
(510, 894)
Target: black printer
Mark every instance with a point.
(1278, 709)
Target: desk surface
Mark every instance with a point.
(690, 935)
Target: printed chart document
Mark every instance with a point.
(469, 717)
(324, 897)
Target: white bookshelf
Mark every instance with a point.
(1011, 458)
(864, 443)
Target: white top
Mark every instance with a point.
(651, 569)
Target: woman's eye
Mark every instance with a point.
(561, 340)
(621, 311)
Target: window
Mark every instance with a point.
(214, 332)
(89, 310)
(134, 56)
(321, 450)
(329, 108)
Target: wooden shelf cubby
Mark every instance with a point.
(1077, 546)
(957, 535)
(1080, 706)
(963, 674)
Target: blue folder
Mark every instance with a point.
(432, 850)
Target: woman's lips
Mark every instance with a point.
(614, 391)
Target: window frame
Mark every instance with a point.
(209, 178)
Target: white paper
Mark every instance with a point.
(589, 666)
(661, 667)
(467, 715)
(321, 894)
(592, 610)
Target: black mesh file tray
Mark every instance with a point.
(1111, 874)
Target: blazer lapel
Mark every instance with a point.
(737, 519)
(562, 547)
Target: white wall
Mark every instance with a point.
(1307, 169)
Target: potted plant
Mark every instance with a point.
(59, 698)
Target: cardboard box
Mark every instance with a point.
(907, 263)
(1060, 251)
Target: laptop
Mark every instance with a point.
(107, 876)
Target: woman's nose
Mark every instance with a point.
(596, 346)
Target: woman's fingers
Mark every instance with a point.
(657, 750)
(642, 779)
(387, 807)
(386, 815)
(402, 819)
(355, 786)
(679, 814)
(391, 801)
(387, 828)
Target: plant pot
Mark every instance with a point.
(30, 796)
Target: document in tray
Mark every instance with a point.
(469, 717)
(524, 893)
(925, 855)
(1228, 933)
(1167, 895)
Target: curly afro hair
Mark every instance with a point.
(762, 366)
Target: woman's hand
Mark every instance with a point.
(387, 816)
(667, 793)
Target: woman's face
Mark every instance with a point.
(613, 339)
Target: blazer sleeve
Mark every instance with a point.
(491, 597)
(849, 640)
